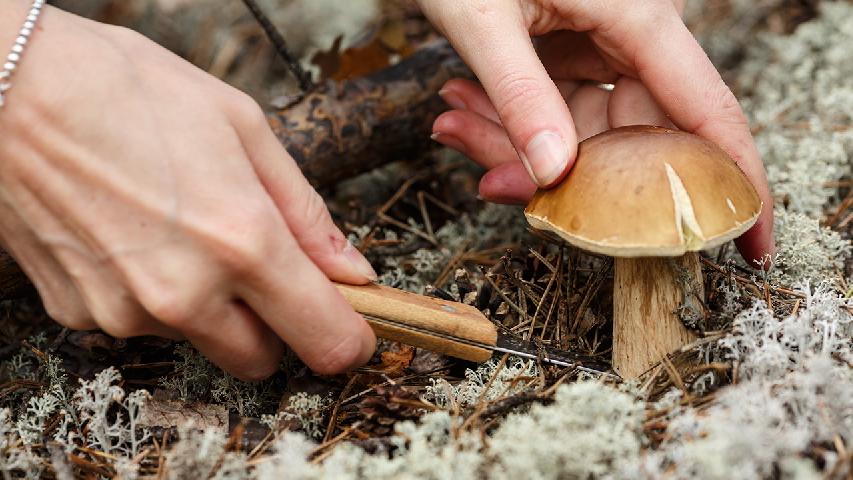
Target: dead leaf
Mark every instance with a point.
(427, 361)
(359, 61)
(395, 362)
(172, 413)
(91, 341)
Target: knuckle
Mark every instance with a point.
(120, 326)
(65, 306)
(645, 13)
(116, 317)
(518, 94)
(725, 110)
(246, 109)
(160, 294)
(67, 316)
(168, 305)
(245, 249)
(123, 32)
(651, 19)
(730, 107)
(341, 357)
(314, 210)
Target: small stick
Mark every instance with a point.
(457, 258)
(318, 454)
(543, 260)
(592, 285)
(438, 203)
(529, 334)
(845, 204)
(502, 294)
(333, 418)
(555, 300)
(414, 231)
(425, 215)
(261, 446)
(277, 40)
(89, 466)
(747, 282)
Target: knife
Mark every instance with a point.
(451, 328)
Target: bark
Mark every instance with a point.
(341, 130)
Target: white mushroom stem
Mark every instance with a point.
(648, 295)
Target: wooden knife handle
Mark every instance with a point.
(424, 320)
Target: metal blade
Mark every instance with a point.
(547, 354)
(516, 346)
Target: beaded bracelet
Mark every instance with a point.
(15, 55)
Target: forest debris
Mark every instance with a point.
(391, 404)
(159, 412)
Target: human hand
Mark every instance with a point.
(143, 196)
(536, 99)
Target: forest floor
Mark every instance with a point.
(765, 392)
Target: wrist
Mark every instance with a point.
(9, 64)
(12, 15)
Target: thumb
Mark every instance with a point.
(494, 41)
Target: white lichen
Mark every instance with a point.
(591, 431)
(795, 391)
(806, 251)
(514, 377)
(309, 411)
(799, 97)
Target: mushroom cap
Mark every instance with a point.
(643, 191)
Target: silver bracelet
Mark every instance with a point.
(18, 49)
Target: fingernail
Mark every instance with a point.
(359, 263)
(448, 141)
(545, 157)
(452, 99)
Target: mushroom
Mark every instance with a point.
(651, 197)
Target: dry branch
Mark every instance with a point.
(343, 129)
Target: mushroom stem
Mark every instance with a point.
(649, 296)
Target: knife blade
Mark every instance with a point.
(451, 328)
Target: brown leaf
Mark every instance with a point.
(173, 413)
(395, 362)
(358, 61)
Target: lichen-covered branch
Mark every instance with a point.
(343, 129)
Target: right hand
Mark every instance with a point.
(533, 107)
(143, 196)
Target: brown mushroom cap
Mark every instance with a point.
(642, 191)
